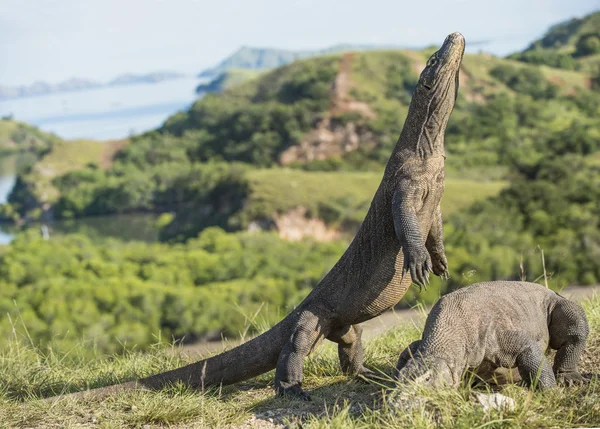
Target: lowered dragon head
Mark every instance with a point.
(433, 99)
(428, 371)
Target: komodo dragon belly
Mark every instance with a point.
(491, 374)
(384, 288)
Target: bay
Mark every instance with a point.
(106, 113)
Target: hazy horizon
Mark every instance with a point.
(54, 40)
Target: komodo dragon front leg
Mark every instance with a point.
(435, 246)
(521, 349)
(568, 334)
(408, 231)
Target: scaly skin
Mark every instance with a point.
(403, 223)
(498, 325)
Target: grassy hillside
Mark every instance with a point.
(573, 44)
(249, 58)
(339, 401)
(35, 188)
(342, 197)
(565, 35)
(339, 112)
(17, 136)
(228, 79)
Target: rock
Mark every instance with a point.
(404, 401)
(495, 401)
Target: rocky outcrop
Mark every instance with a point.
(294, 225)
(332, 136)
(330, 139)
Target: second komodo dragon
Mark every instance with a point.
(401, 234)
(487, 326)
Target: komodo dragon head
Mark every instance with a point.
(439, 78)
(428, 371)
(434, 97)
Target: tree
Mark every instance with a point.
(588, 44)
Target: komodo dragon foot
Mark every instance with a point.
(571, 379)
(293, 392)
(369, 376)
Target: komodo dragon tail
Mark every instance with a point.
(245, 361)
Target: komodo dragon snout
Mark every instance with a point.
(427, 371)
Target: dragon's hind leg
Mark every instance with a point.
(521, 349)
(350, 350)
(309, 332)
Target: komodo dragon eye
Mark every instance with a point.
(432, 61)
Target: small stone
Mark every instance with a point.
(401, 401)
(495, 401)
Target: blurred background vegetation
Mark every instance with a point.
(302, 145)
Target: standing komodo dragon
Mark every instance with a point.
(501, 324)
(401, 234)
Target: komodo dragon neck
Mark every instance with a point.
(432, 103)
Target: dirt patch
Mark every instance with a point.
(294, 225)
(417, 62)
(331, 137)
(111, 148)
(557, 80)
(341, 100)
(467, 84)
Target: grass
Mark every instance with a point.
(26, 374)
(479, 66)
(591, 63)
(278, 190)
(67, 156)
(230, 78)
(18, 136)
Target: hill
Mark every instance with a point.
(269, 58)
(18, 136)
(154, 77)
(336, 112)
(573, 44)
(228, 79)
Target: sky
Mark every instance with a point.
(54, 40)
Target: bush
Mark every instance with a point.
(68, 288)
(588, 44)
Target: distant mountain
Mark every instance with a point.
(269, 58)
(129, 78)
(565, 35)
(572, 44)
(42, 88)
(227, 79)
(77, 84)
